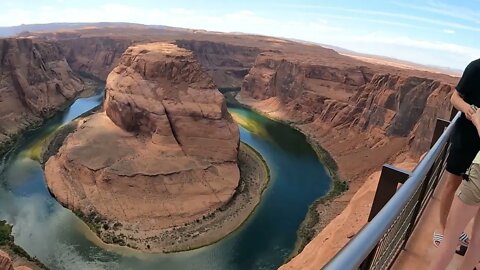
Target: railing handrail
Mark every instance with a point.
(354, 253)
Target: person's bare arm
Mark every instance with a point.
(458, 102)
(476, 121)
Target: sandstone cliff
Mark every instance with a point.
(349, 101)
(35, 81)
(363, 115)
(227, 64)
(162, 154)
(96, 56)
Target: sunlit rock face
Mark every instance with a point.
(162, 153)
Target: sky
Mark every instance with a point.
(443, 33)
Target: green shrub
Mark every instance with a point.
(5, 233)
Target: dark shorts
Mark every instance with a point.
(465, 144)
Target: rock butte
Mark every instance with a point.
(162, 153)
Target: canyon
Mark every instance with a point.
(364, 114)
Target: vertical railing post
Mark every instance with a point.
(387, 186)
(390, 177)
(439, 129)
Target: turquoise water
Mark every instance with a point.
(62, 241)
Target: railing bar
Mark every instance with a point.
(353, 254)
(395, 236)
(405, 218)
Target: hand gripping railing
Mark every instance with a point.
(378, 244)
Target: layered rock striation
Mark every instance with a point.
(35, 82)
(162, 154)
(349, 100)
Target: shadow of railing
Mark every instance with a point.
(399, 202)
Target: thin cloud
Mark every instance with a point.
(449, 31)
(452, 11)
(325, 29)
(452, 48)
(378, 21)
(393, 15)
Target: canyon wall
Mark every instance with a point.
(227, 64)
(161, 155)
(35, 82)
(363, 115)
(356, 99)
(94, 55)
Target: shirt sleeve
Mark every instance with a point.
(467, 82)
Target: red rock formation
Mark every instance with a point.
(162, 154)
(227, 64)
(35, 81)
(5, 261)
(355, 98)
(363, 115)
(94, 55)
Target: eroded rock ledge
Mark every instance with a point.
(162, 154)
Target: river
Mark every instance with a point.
(62, 241)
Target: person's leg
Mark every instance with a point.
(447, 193)
(460, 215)
(473, 252)
(465, 145)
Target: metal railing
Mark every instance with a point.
(396, 210)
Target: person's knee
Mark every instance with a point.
(453, 181)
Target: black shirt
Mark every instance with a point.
(469, 86)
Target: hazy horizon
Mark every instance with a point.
(436, 33)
